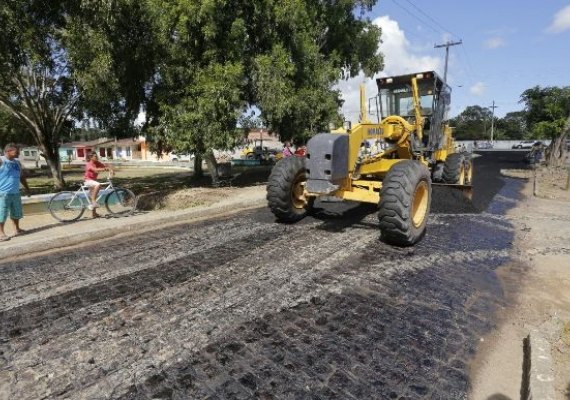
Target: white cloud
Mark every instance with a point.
(478, 89)
(495, 42)
(400, 58)
(561, 21)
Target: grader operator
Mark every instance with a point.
(391, 162)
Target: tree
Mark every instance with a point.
(193, 66)
(34, 83)
(472, 123)
(12, 131)
(223, 57)
(63, 61)
(548, 116)
(513, 125)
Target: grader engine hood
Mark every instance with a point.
(327, 162)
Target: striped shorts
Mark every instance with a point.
(10, 204)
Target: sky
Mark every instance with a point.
(508, 46)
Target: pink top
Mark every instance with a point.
(287, 151)
(90, 170)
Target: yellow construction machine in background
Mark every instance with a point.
(391, 162)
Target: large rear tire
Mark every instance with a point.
(454, 169)
(286, 190)
(405, 200)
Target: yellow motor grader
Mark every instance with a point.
(391, 162)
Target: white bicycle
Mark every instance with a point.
(70, 206)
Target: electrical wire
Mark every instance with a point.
(443, 29)
(416, 17)
(440, 30)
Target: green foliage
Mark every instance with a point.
(13, 131)
(282, 57)
(206, 114)
(473, 123)
(113, 50)
(512, 126)
(546, 110)
(194, 66)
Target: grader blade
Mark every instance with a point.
(466, 190)
(453, 199)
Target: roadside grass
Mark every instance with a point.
(148, 180)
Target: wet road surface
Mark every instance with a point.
(243, 307)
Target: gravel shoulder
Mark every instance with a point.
(44, 233)
(536, 283)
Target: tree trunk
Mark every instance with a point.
(198, 171)
(212, 166)
(556, 152)
(52, 159)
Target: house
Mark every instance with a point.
(262, 137)
(107, 149)
(67, 152)
(102, 146)
(29, 154)
(130, 149)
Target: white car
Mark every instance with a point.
(181, 157)
(525, 144)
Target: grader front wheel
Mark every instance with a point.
(405, 201)
(286, 190)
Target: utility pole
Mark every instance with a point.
(447, 46)
(492, 119)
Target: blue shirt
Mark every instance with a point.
(10, 176)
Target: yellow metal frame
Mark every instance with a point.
(393, 129)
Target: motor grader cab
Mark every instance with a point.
(391, 162)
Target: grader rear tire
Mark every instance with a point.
(404, 205)
(285, 190)
(454, 169)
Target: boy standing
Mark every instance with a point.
(11, 175)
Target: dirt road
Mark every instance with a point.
(241, 307)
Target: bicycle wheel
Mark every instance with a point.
(120, 201)
(66, 206)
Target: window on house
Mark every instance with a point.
(26, 152)
(128, 150)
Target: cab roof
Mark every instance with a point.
(400, 80)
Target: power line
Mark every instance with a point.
(440, 30)
(431, 18)
(468, 62)
(416, 17)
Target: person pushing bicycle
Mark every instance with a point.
(92, 169)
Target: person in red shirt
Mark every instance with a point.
(92, 169)
(301, 151)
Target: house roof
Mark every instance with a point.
(127, 142)
(102, 142)
(91, 143)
